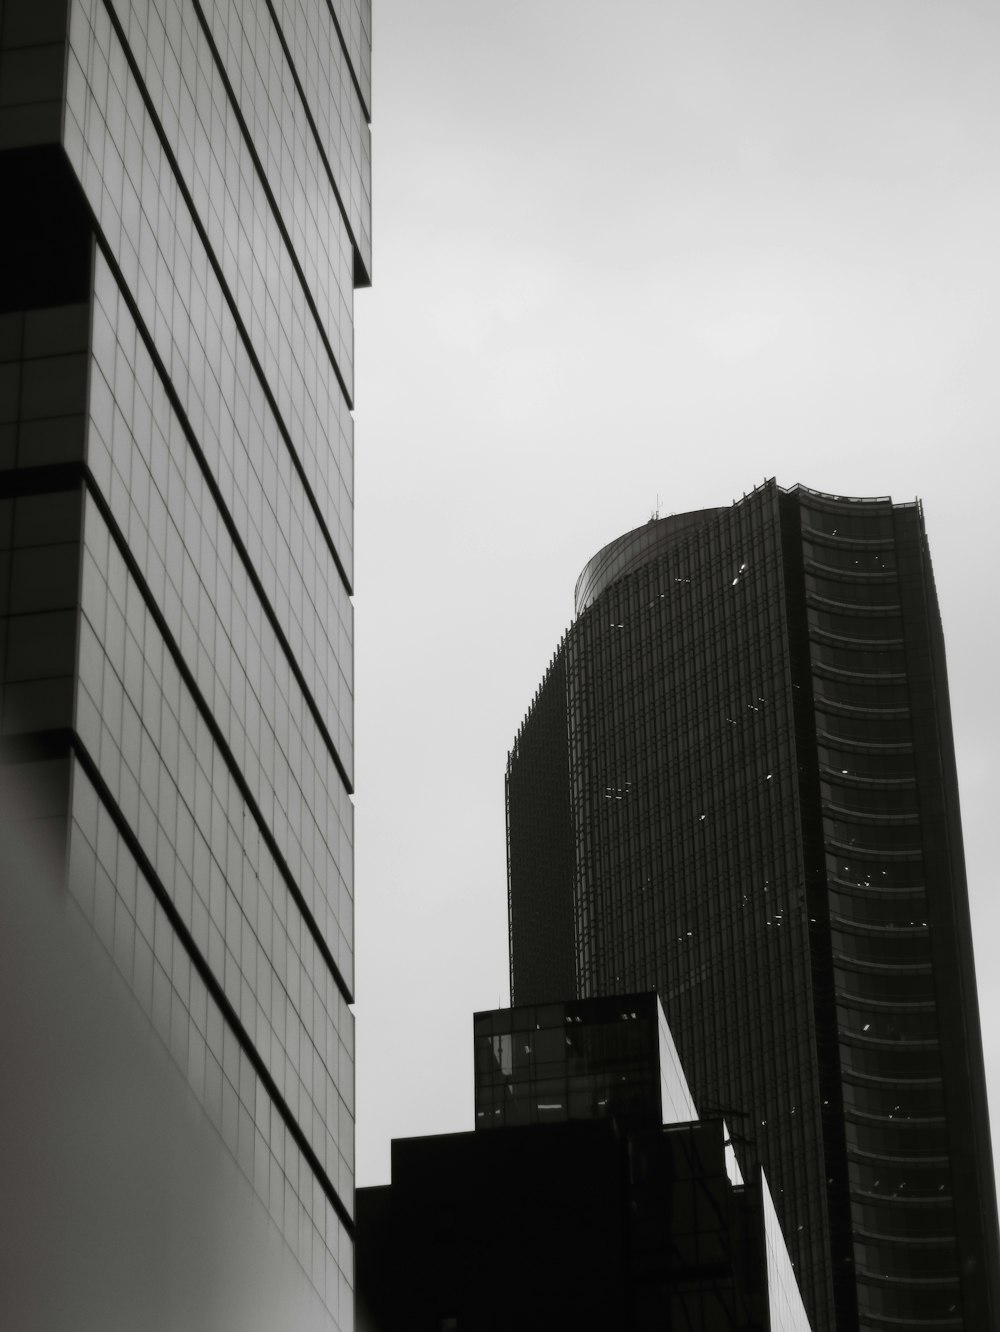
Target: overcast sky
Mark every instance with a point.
(627, 255)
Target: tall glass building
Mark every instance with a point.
(736, 784)
(186, 215)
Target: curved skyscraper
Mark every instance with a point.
(736, 785)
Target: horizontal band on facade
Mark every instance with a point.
(873, 853)
(944, 1282)
(888, 1005)
(857, 1038)
(857, 1079)
(838, 570)
(874, 929)
(835, 707)
(823, 671)
(857, 781)
(922, 1241)
(882, 968)
(862, 1157)
(39, 480)
(902, 1200)
(35, 746)
(875, 819)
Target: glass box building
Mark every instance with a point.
(187, 200)
(736, 784)
(590, 1195)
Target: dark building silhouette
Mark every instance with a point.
(186, 213)
(736, 784)
(589, 1195)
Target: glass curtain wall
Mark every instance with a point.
(187, 185)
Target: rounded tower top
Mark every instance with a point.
(634, 549)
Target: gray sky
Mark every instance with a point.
(650, 251)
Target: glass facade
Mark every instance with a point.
(193, 214)
(749, 720)
(590, 1195)
(594, 1059)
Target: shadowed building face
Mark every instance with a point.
(590, 1195)
(736, 784)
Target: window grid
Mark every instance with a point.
(159, 498)
(153, 238)
(130, 922)
(154, 751)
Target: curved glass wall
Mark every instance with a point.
(886, 1018)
